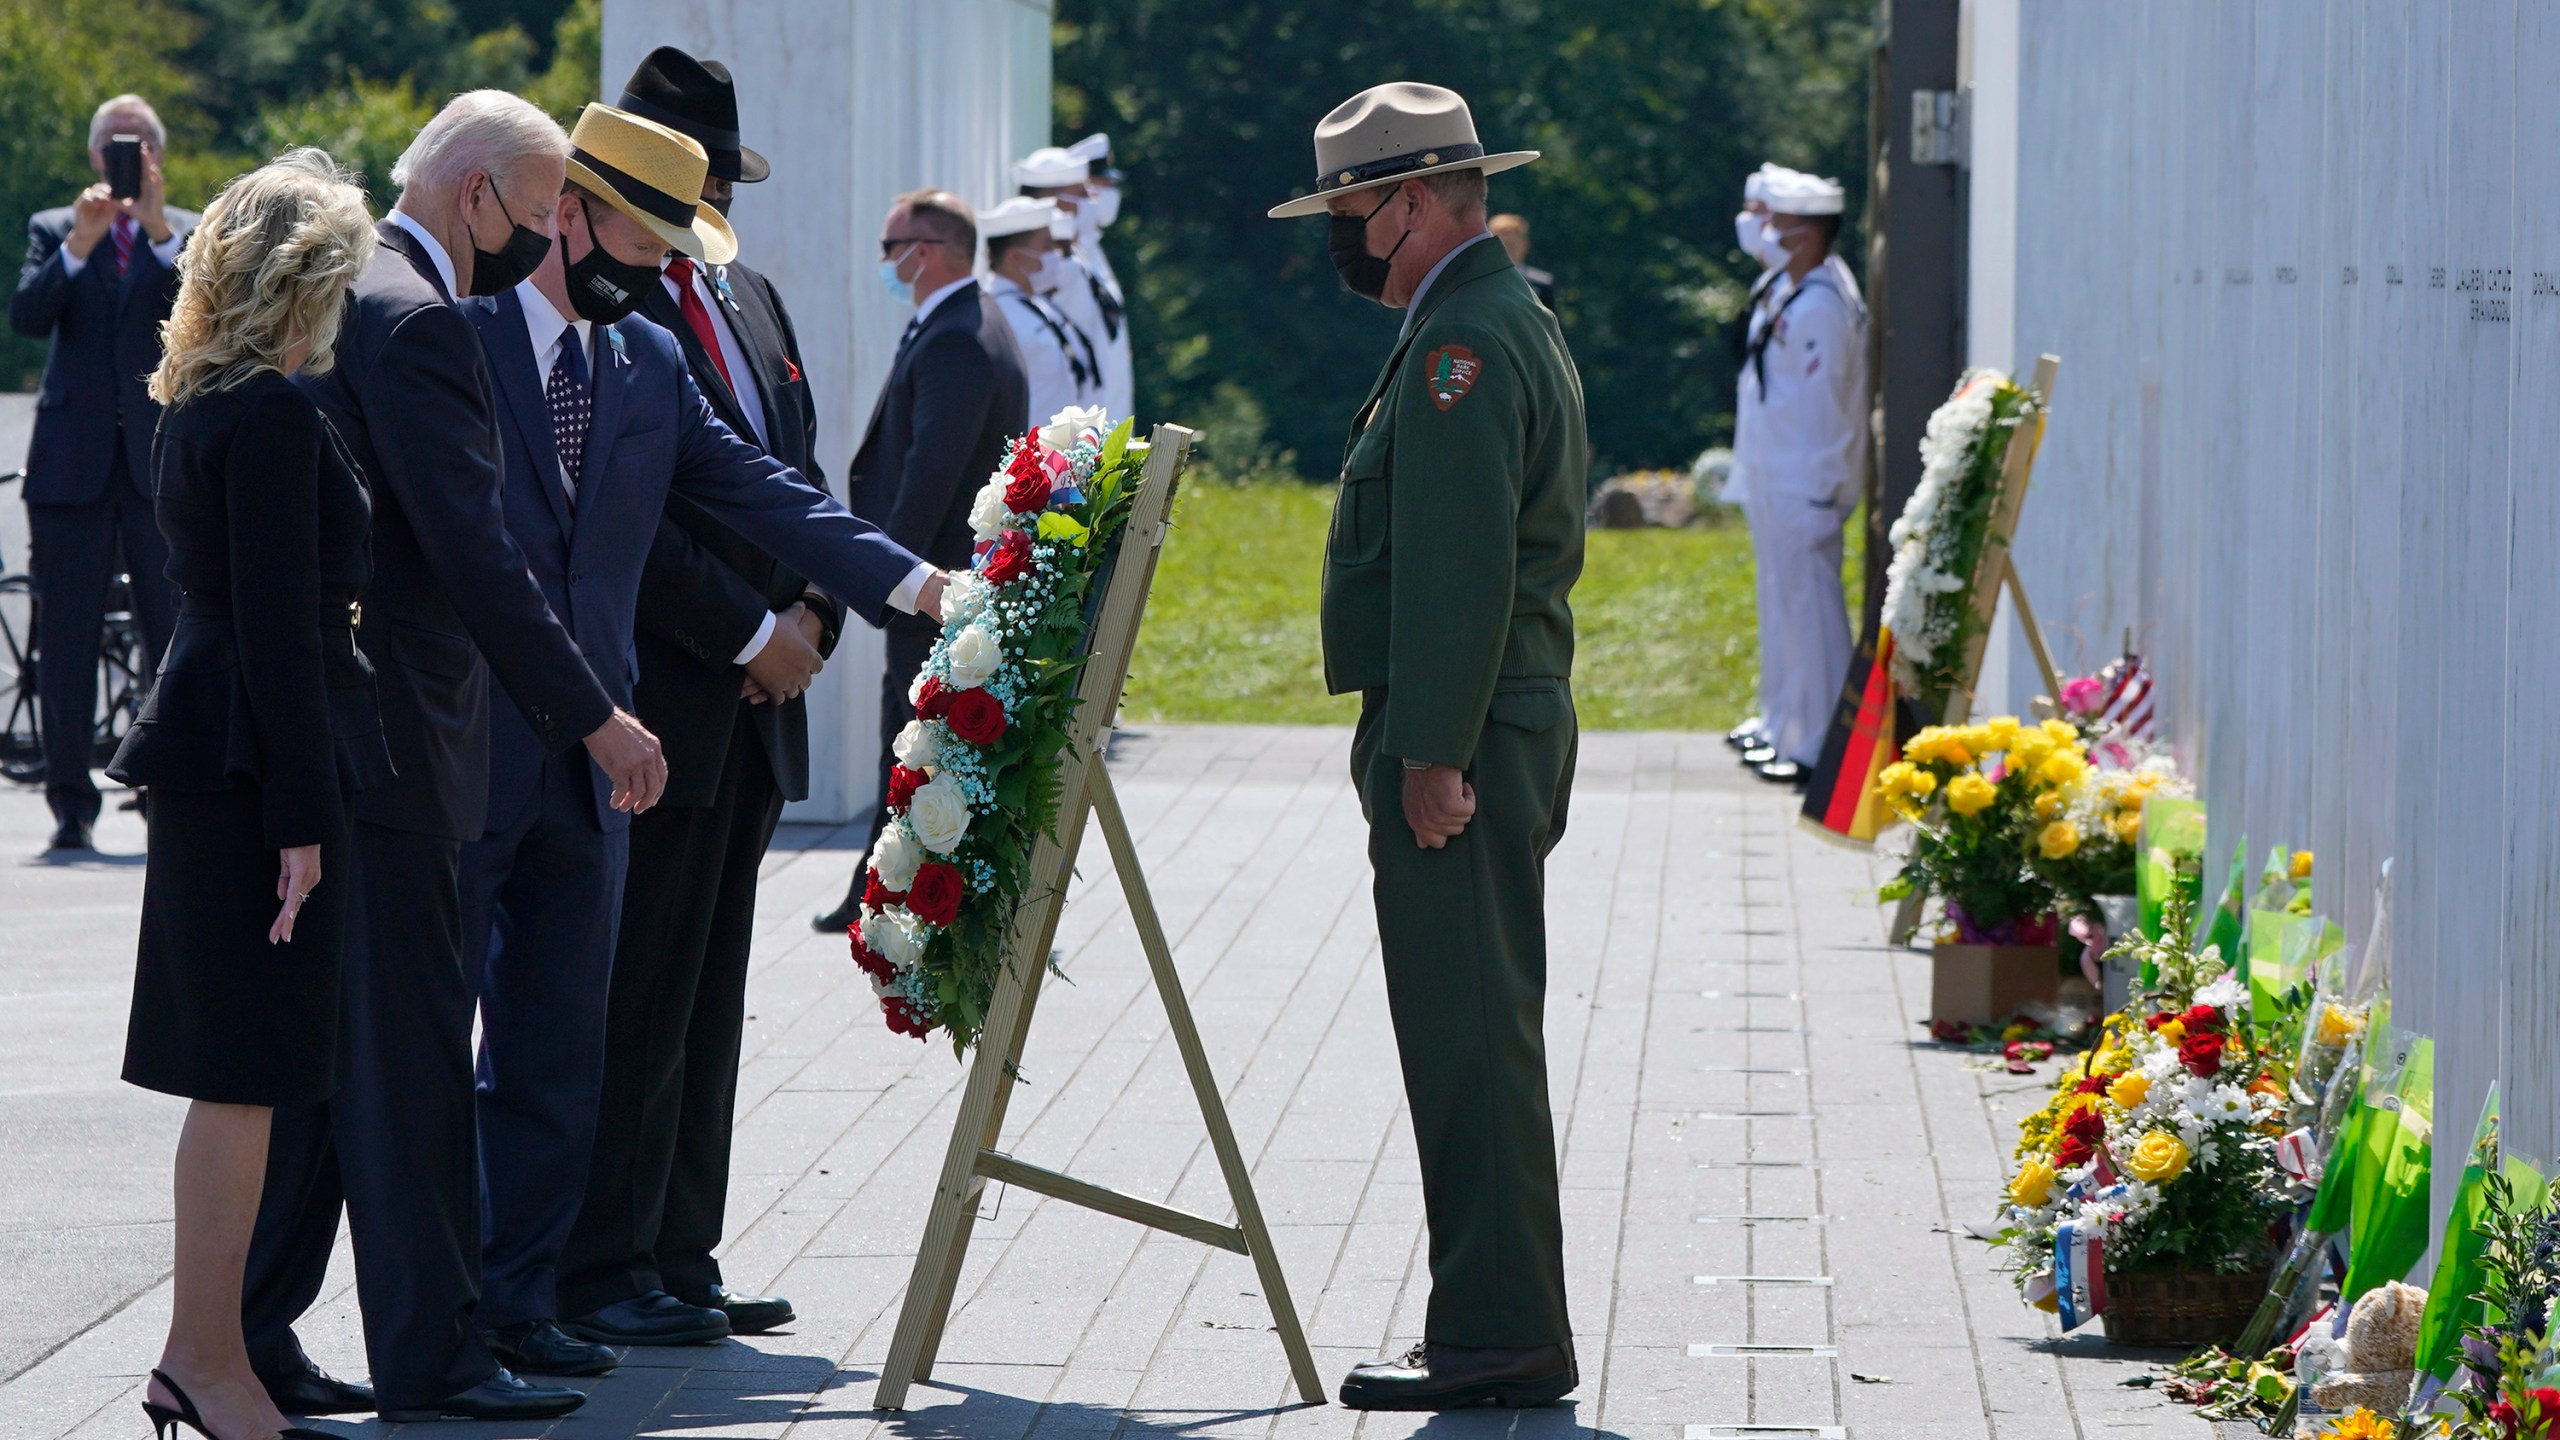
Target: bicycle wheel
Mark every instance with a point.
(21, 744)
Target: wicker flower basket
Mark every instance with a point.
(2164, 1308)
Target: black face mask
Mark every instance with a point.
(496, 272)
(722, 203)
(602, 288)
(1347, 238)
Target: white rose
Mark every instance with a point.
(987, 514)
(964, 598)
(1069, 425)
(939, 816)
(892, 936)
(974, 657)
(894, 857)
(915, 687)
(915, 747)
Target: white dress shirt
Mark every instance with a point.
(733, 358)
(167, 250)
(435, 248)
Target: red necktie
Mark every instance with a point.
(124, 242)
(698, 319)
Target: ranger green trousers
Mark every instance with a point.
(1464, 933)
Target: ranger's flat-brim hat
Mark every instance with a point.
(654, 175)
(1392, 133)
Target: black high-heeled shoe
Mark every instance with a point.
(165, 1421)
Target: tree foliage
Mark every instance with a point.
(1649, 114)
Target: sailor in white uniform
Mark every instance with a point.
(1024, 267)
(1751, 234)
(1800, 452)
(1091, 297)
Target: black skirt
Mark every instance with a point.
(218, 1013)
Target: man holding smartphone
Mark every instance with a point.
(100, 276)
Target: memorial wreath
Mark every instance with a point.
(1937, 542)
(977, 782)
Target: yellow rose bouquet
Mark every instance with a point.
(2085, 819)
(1970, 793)
(2156, 1153)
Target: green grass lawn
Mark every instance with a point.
(1664, 618)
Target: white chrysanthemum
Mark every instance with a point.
(2222, 994)
(915, 746)
(974, 656)
(894, 856)
(988, 517)
(2226, 1104)
(939, 815)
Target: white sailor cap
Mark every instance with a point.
(1050, 167)
(1796, 193)
(1093, 149)
(1016, 216)
(1757, 187)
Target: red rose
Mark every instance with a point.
(2073, 1153)
(1010, 560)
(977, 717)
(933, 702)
(2201, 1017)
(902, 787)
(934, 895)
(2154, 1022)
(2202, 1054)
(870, 961)
(1023, 493)
(2086, 1125)
(902, 1017)
(879, 896)
(2094, 1085)
(1025, 459)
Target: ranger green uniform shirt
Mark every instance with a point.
(1458, 530)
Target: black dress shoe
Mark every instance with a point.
(1760, 753)
(1432, 1376)
(71, 835)
(656, 1318)
(1746, 735)
(541, 1347)
(305, 1389)
(841, 918)
(1782, 772)
(500, 1397)
(748, 1314)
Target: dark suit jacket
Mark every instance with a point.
(105, 335)
(708, 588)
(955, 398)
(410, 395)
(651, 434)
(267, 523)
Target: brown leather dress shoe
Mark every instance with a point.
(1432, 1376)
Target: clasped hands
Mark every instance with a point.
(790, 660)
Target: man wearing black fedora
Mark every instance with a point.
(727, 638)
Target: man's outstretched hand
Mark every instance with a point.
(1438, 803)
(631, 759)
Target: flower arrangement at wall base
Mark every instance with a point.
(2147, 1187)
(1937, 542)
(978, 781)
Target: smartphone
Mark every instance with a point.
(124, 166)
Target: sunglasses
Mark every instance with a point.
(889, 243)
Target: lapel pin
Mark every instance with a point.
(614, 335)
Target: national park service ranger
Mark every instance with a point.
(1457, 536)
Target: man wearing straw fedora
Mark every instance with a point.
(1457, 536)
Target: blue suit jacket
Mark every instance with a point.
(650, 434)
(105, 340)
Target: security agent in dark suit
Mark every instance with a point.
(450, 600)
(585, 400)
(716, 612)
(954, 399)
(100, 276)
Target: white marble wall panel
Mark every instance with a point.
(854, 101)
(2301, 259)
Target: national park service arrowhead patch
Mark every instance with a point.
(1450, 372)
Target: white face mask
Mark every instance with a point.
(1052, 274)
(1759, 240)
(1104, 207)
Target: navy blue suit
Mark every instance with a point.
(88, 485)
(542, 886)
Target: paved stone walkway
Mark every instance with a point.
(1738, 1084)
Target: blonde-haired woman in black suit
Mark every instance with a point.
(260, 724)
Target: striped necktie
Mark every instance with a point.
(124, 243)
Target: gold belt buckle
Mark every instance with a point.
(355, 614)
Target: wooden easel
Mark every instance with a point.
(972, 1159)
(1992, 570)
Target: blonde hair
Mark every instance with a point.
(269, 264)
